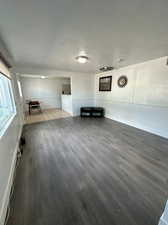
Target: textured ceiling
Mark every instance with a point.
(50, 34)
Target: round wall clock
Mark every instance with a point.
(122, 81)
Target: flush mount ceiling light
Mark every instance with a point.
(43, 77)
(82, 58)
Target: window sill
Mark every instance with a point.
(8, 122)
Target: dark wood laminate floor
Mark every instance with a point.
(90, 172)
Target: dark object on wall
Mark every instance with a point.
(66, 89)
(105, 83)
(106, 68)
(122, 81)
(22, 143)
(92, 112)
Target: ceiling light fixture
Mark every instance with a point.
(43, 77)
(82, 58)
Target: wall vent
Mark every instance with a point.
(106, 68)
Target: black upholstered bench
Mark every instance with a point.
(92, 111)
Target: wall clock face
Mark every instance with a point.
(122, 81)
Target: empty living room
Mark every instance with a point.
(83, 112)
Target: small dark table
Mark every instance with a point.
(92, 112)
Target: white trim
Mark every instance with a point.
(37, 73)
(8, 122)
(6, 197)
(4, 69)
(109, 116)
(37, 76)
(110, 101)
(162, 221)
(164, 217)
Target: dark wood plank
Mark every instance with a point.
(90, 172)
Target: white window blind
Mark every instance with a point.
(7, 104)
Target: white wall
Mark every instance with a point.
(143, 103)
(67, 103)
(8, 148)
(83, 89)
(47, 91)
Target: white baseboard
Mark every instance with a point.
(133, 125)
(6, 197)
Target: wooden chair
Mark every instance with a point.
(34, 105)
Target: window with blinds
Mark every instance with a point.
(7, 105)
